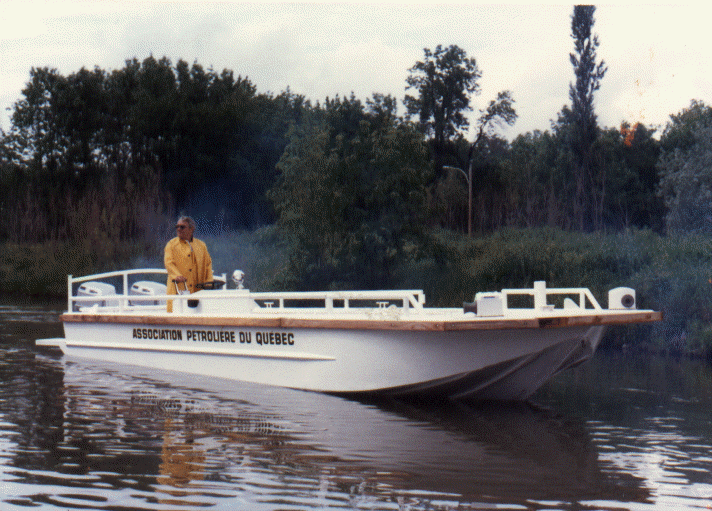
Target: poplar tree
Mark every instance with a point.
(590, 187)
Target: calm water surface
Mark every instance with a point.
(618, 433)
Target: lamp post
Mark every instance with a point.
(468, 178)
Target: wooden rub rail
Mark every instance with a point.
(410, 324)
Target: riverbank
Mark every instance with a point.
(670, 273)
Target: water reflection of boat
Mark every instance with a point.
(277, 442)
(505, 345)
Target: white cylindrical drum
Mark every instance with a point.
(621, 298)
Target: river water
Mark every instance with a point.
(620, 432)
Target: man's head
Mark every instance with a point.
(185, 227)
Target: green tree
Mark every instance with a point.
(484, 159)
(582, 118)
(39, 142)
(444, 81)
(685, 167)
(679, 132)
(538, 186)
(255, 164)
(351, 194)
(184, 136)
(533, 183)
(633, 197)
(206, 139)
(499, 112)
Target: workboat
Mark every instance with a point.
(503, 346)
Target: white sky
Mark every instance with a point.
(658, 56)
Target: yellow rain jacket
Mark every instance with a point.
(190, 259)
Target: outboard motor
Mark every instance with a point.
(100, 290)
(147, 288)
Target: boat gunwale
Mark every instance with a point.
(596, 318)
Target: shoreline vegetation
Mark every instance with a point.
(669, 273)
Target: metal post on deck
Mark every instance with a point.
(125, 283)
(539, 294)
(69, 294)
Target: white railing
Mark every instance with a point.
(497, 303)
(124, 274)
(540, 293)
(410, 298)
(330, 300)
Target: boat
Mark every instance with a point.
(503, 346)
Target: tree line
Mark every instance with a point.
(111, 155)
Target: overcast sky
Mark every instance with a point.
(658, 56)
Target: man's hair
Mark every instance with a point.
(187, 220)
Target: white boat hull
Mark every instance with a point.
(482, 364)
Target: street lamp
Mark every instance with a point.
(468, 178)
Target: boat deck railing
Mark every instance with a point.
(267, 301)
(579, 297)
(341, 300)
(75, 302)
(501, 303)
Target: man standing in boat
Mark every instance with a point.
(187, 260)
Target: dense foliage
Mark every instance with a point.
(112, 155)
(351, 195)
(686, 170)
(444, 83)
(114, 152)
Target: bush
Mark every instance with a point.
(677, 282)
